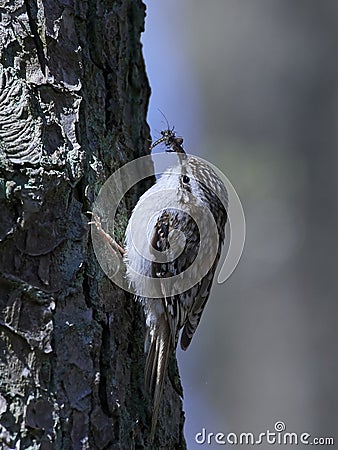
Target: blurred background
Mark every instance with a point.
(252, 86)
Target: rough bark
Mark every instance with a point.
(73, 101)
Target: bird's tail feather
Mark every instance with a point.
(156, 368)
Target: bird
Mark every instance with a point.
(172, 267)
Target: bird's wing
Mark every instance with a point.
(195, 314)
(169, 220)
(203, 288)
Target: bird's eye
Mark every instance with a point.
(185, 179)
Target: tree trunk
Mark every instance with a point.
(73, 102)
